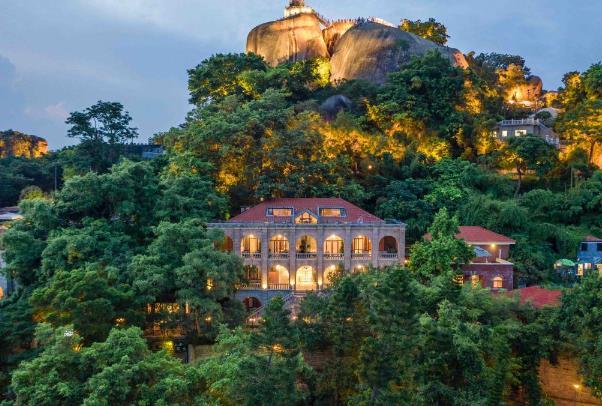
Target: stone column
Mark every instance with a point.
(264, 257)
(348, 241)
(292, 257)
(375, 253)
(236, 242)
(320, 243)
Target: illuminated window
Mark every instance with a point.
(498, 282)
(209, 283)
(252, 273)
(333, 245)
(251, 244)
(361, 245)
(332, 212)
(278, 244)
(1, 293)
(518, 133)
(305, 274)
(475, 281)
(279, 211)
(505, 133)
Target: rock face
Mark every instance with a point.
(16, 144)
(527, 94)
(291, 39)
(358, 49)
(371, 51)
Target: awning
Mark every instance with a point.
(565, 263)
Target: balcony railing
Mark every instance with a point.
(279, 286)
(250, 285)
(278, 255)
(389, 255)
(361, 255)
(307, 255)
(334, 256)
(254, 255)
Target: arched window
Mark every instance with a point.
(278, 244)
(362, 245)
(498, 282)
(278, 277)
(388, 245)
(307, 245)
(333, 245)
(251, 244)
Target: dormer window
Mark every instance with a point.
(279, 211)
(306, 218)
(332, 212)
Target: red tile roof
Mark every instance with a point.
(592, 238)
(479, 235)
(538, 297)
(257, 214)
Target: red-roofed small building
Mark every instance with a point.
(490, 267)
(296, 244)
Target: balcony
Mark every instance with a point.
(334, 256)
(279, 286)
(361, 255)
(253, 255)
(389, 255)
(307, 255)
(251, 285)
(278, 255)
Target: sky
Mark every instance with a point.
(58, 56)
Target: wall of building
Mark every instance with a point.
(320, 232)
(489, 271)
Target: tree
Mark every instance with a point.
(258, 368)
(442, 254)
(580, 326)
(581, 99)
(217, 77)
(118, 371)
(430, 29)
(529, 153)
(102, 129)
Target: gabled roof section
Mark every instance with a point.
(592, 238)
(353, 214)
(481, 235)
(476, 235)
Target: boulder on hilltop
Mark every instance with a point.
(357, 49)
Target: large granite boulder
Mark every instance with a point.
(291, 39)
(371, 51)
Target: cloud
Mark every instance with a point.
(55, 112)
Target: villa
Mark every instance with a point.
(295, 245)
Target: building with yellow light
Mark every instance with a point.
(296, 245)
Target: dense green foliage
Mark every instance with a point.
(429, 29)
(122, 246)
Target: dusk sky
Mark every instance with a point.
(58, 56)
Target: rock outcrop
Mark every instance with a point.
(358, 49)
(371, 51)
(291, 39)
(16, 144)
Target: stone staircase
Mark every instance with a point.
(292, 302)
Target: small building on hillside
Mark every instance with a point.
(507, 129)
(294, 245)
(589, 256)
(490, 267)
